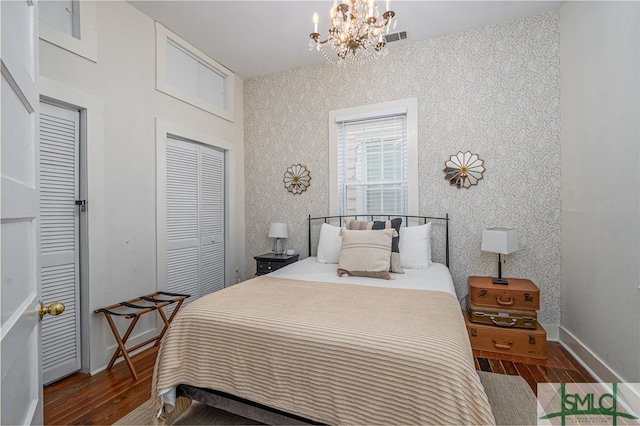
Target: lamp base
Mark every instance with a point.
(277, 247)
(500, 281)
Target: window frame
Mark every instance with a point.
(87, 45)
(163, 36)
(408, 106)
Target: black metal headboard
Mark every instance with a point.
(406, 218)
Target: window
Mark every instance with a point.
(61, 15)
(71, 25)
(187, 74)
(374, 159)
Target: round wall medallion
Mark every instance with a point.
(297, 179)
(463, 170)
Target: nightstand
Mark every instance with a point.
(270, 262)
(503, 318)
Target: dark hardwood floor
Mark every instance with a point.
(104, 398)
(101, 399)
(559, 367)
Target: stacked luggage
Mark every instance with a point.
(504, 318)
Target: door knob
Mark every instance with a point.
(56, 308)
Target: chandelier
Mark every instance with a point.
(357, 31)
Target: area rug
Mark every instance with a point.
(510, 397)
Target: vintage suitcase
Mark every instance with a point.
(518, 294)
(514, 341)
(503, 317)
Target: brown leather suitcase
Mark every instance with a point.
(514, 341)
(518, 294)
(502, 317)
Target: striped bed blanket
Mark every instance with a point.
(331, 353)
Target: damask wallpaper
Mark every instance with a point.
(493, 91)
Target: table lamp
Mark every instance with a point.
(501, 241)
(277, 231)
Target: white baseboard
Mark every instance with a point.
(594, 365)
(553, 332)
(131, 342)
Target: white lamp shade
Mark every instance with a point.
(500, 240)
(278, 230)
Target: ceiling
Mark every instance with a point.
(256, 38)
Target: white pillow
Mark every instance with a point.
(329, 244)
(415, 246)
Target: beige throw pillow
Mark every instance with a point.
(395, 260)
(365, 253)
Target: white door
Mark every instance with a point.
(21, 387)
(211, 220)
(59, 227)
(195, 218)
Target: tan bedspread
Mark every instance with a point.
(333, 353)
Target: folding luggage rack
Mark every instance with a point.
(142, 305)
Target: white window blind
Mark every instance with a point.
(373, 165)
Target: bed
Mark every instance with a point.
(304, 345)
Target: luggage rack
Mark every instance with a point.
(141, 305)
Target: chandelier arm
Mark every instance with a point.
(316, 37)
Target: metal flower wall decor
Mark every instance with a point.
(297, 179)
(463, 169)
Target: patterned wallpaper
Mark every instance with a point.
(492, 90)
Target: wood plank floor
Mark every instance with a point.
(101, 399)
(559, 367)
(104, 398)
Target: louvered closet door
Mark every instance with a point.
(195, 219)
(212, 219)
(59, 140)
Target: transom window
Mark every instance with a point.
(64, 16)
(71, 25)
(186, 73)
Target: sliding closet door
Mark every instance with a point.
(195, 218)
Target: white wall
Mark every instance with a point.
(122, 162)
(599, 56)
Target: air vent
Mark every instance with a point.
(402, 35)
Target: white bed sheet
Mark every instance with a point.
(437, 277)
